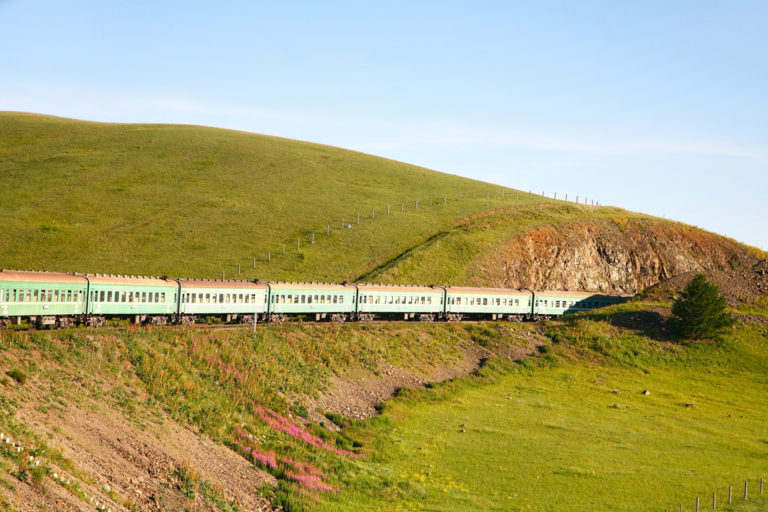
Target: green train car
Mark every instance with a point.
(491, 303)
(149, 300)
(323, 301)
(46, 298)
(407, 302)
(233, 301)
(556, 303)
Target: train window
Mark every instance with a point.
(429, 300)
(341, 299)
(322, 299)
(378, 299)
(109, 296)
(316, 300)
(240, 298)
(485, 301)
(143, 296)
(424, 300)
(282, 299)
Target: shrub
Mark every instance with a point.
(699, 312)
(17, 375)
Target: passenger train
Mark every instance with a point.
(64, 300)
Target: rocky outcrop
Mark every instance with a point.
(621, 256)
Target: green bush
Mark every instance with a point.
(17, 375)
(699, 312)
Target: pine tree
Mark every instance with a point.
(699, 312)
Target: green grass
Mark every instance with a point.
(555, 436)
(196, 201)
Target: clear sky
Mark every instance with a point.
(654, 106)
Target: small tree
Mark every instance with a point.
(700, 310)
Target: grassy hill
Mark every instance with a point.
(196, 201)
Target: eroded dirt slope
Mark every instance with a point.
(622, 256)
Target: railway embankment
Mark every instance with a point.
(167, 419)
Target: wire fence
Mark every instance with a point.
(350, 221)
(700, 503)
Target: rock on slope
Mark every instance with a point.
(622, 256)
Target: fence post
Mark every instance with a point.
(283, 248)
(542, 195)
(730, 494)
(254, 262)
(714, 500)
(761, 486)
(487, 194)
(474, 195)
(373, 213)
(697, 504)
(417, 204)
(358, 217)
(269, 256)
(566, 197)
(746, 486)
(298, 244)
(402, 207)
(387, 209)
(313, 237)
(445, 198)
(555, 195)
(222, 275)
(328, 229)
(238, 270)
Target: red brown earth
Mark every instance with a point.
(624, 256)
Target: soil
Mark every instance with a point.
(356, 396)
(624, 256)
(121, 464)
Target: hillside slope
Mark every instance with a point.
(202, 202)
(195, 201)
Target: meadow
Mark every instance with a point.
(603, 420)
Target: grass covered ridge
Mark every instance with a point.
(196, 201)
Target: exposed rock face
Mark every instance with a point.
(619, 256)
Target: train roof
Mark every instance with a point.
(397, 288)
(129, 280)
(213, 283)
(286, 285)
(497, 291)
(582, 295)
(40, 277)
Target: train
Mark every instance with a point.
(58, 299)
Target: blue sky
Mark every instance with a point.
(659, 107)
